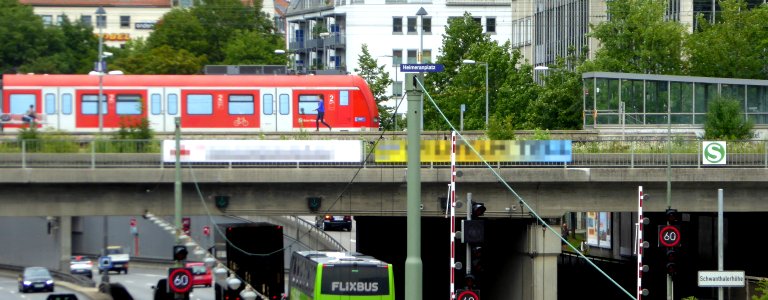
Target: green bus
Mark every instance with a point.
(324, 275)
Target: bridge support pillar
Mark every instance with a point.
(532, 272)
(65, 242)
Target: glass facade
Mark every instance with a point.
(643, 100)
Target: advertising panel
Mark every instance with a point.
(264, 151)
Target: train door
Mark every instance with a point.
(276, 110)
(57, 108)
(163, 108)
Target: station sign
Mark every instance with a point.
(418, 68)
(721, 278)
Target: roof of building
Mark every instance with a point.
(95, 3)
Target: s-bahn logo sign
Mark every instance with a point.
(713, 153)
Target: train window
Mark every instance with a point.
(199, 104)
(173, 104)
(20, 103)
(128, 105)
(344, 98)
(240, 104)
(66, 104)
(268, 105)
(156, 101)
(89, 105)
(285, 104)
(50, 103)
(308, 104)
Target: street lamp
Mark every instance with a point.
(100, 68)
(472, 62)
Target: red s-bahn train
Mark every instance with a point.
(204, 103)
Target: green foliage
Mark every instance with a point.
(253, 48)
(499, 129)
(37, 141)
(638, 38)
(378, 80)
(180, 29)
(559, 102)
(725, 121)
(762, 288)
(733, 47)
(22, 36)
(541, 135)
(134, 128)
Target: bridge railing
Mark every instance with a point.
(593, 154)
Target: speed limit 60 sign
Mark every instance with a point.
(180, 280)
(669, 236)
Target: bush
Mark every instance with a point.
(725, 121)
(501, 129)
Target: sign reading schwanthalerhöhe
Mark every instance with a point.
(713, 153)
(721, 278)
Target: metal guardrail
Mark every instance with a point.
(586, 154)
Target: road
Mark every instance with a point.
(9, 290)
(141, 278)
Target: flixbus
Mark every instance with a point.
(321, 275)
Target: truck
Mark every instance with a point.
(119, 260)
(254, 253)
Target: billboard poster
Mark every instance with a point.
(604, 230)
(592, 228)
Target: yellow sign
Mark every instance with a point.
(116, 36)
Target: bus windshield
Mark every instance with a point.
(355, 280)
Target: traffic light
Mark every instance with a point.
(673, 217)
(473, 231)
(180, 252)
(477, 266)
(478, 209)
(314, 203)
(671, 261)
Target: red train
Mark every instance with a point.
(205, 103)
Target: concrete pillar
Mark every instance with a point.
(65, 242)
(543, 248)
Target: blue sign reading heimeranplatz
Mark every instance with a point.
(421, 68)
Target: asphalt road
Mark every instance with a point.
(9, 289)
(141, 278)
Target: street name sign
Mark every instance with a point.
(417, 68)
(721, 278)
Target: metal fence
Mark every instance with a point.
(586, 154)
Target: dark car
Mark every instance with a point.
(329, 222)
(35, 279)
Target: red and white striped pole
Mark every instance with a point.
(639, 242)
(452, 196)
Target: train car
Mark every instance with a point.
(205, 103)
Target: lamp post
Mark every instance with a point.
(421, 13)
(472, 62)
(100, 68)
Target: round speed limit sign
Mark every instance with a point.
(669, 236)
(468, 295)
(180, 280)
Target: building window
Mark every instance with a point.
(59, 20)
(397, 88)
(397, 57)
(47, 20)
(478, 20)
(426, 56)
(397, 25)
(86, 20)
(490, 24)
(101, 21)
(412, 59)
(426, 25)
(411, 24)
(125, 21)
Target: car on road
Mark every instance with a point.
(81, 265)
(201, 275)
(35, 279)
(329, 222)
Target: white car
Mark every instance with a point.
(81, 265)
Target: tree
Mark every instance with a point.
(559, 102)
(70, 48)
(248, 47)
(378, 80)
(726, 121)
(734, 47)
(637, 38)
(22, 36)
(180, 29)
